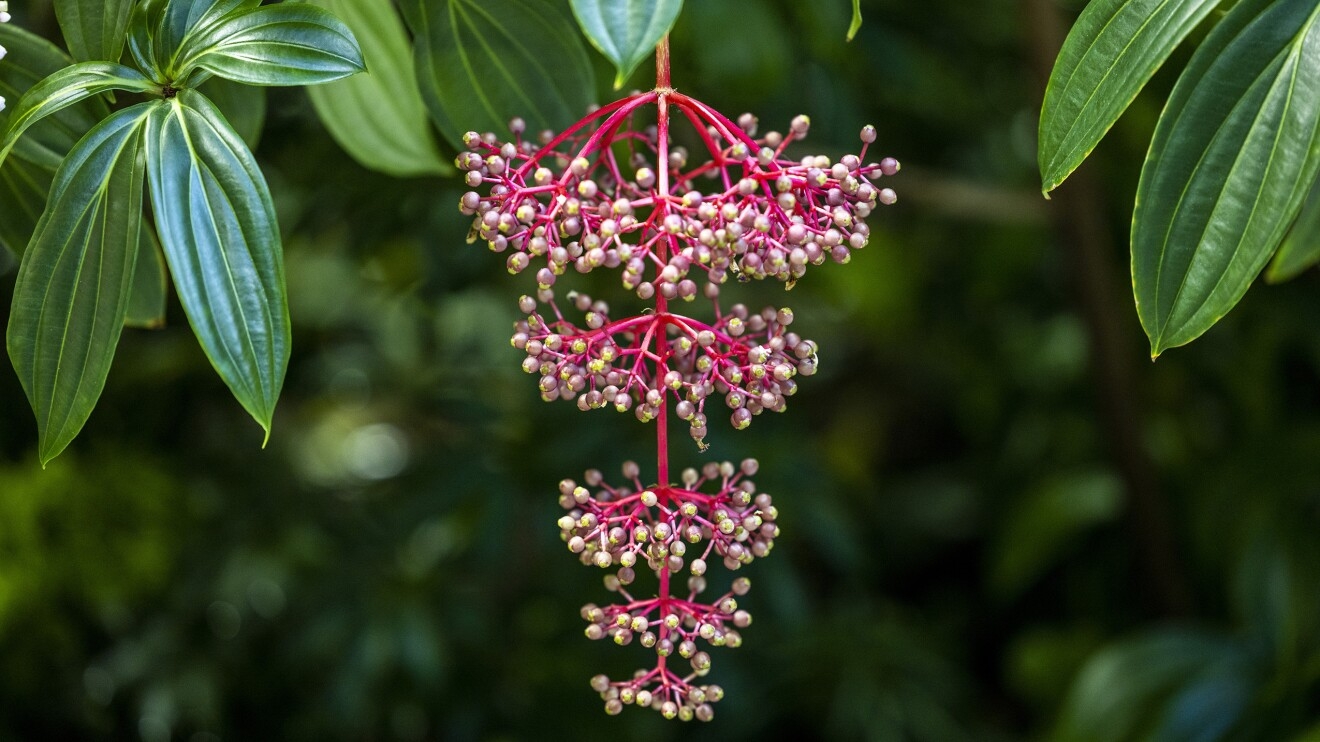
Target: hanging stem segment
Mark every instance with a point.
(662, 63)
(661, 309)
(661, 205)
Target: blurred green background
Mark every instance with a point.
(1000, 521)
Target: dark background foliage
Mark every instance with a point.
(1000, 520)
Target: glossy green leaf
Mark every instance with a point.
(1301, 247)
(1117, 694)
(1233, 156)
(856, 24)
(23, 189)
(378, 117)
(30, 60)
(1110, 53)
(159, 29)
(243, 106)
(481, 63)
(626, 31)
(222, 244)
(94, 29)
(142, 30)
(65, 88)
(287, 44)
(72, 292)
(146, 302)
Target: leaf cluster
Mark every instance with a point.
(1235, 152)
(94, 261)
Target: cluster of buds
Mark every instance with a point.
(613, 192)
(749, 361)
(594, 199)
(4, 18)
(671, 530)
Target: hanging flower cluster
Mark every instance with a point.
(615, 192)
(669, 529)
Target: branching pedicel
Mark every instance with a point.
(608, 194)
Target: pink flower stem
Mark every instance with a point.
(663, 91)
(570, 131)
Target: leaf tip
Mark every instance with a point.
(46, 452)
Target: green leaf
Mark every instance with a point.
(1274, 591)
(142, 30)
(217, 225)
(1212, 704)
(480, 63)
(243, 106)
(94, 29)
(146, 304)
(1233, 156)
(1119, 692)
(23, 189)
(159, 29)
(626, 31)
(1048, 521)
(379, 117)
(856, 24)
(287, 44)
(1301, 247)
(66, 87)
(30, 60)
(1110, 53)
(72, 292)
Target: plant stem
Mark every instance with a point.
(662, 63)
(661, 307)
(662, 205)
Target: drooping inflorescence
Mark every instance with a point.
(674, 530)
(614, 192)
